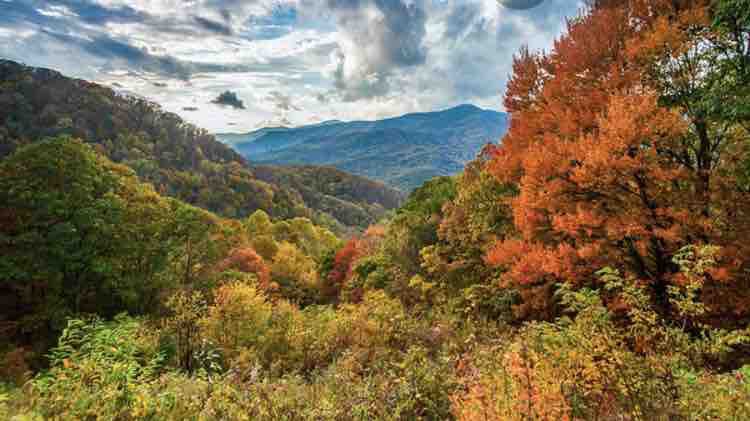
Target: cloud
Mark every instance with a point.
(461, 18)
(271, 24)
(116, 51)
(472, 56)
(281, 101)
(96, 14)
(213, 26)
(303, 60)
(229, 98)
(110, 48)
(376, 38)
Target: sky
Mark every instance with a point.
(287, 62)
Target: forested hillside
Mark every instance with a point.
(181, 160)
(352, 200)
(402, 152)
(591, 266)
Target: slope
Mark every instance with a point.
(403, 152)
(180, 159)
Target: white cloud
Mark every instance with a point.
(293, 61)
(56, 11)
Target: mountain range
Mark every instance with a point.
(402, 152)
(179, 159)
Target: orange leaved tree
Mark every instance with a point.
(617, 157)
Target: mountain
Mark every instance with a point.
(402, 152)
(179, 159)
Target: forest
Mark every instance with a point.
(179, 159)
(594, 264)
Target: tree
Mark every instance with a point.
(197, 243)
(237, 318)
(186, 308)
(615, 156)
(146, 244)
(470, 225)
(294, 272)
(246, 260)
(310, 239)
(341, 268)
(77, 234)
(415, 224)
(180, 160)
(258, 224)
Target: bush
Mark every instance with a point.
(237, 319)
(97, 369)
(593, 366)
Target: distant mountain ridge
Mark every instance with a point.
(402, 152)
(179, 159)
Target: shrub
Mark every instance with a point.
(595, 365)
(238, 318)
(96, 369)
(183, 325)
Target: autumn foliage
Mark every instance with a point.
(342, 264)
(246, 260)
(611, 165)
(590, 266)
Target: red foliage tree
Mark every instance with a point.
(246, 260)
(607, 174)
(343, 261)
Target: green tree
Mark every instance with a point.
(197, 243)
(78, 234)
(415, 224)
(61, 213)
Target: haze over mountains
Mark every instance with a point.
(402, 152)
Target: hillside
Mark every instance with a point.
(181, 160)
(334, 192)
(593, 266)
(402, 152)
